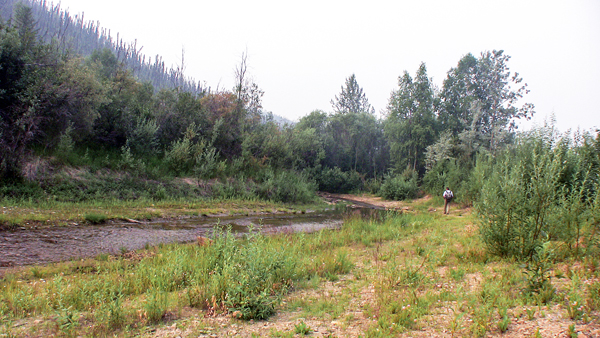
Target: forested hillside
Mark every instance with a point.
(71, 96)
(73, 33)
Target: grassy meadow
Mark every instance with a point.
(414, 274)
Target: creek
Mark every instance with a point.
(53, 244)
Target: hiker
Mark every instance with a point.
(448, 195)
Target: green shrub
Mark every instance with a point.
(287, 187)
(95, 218)
(256, 274)
(238, 187)
(302, 328)
(539, 188)
(143, 137)
(449, 173)
(538, 271)
(155, 306)
(21, 190)
(399, 188)
(337, 181)
(65, 144)
(517, 200)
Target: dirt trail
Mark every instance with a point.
(373, 201)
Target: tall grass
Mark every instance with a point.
(416, 266)
(244, 276)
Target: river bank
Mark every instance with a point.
(416, 273)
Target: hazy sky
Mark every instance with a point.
(301, 52)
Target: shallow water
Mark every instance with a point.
(46, 245)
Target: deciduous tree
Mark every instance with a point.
(411, 122)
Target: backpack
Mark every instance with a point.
(448, 194)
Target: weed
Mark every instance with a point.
(410, 276)
(572, 332)
(538, 270)
(66, 319)
(36, 272)
(111, 314)
(481, 318)
(574, 308)
(103, 257)
(302, 328)
(504, 320)
(155, 306)
(531, 313)
(457, 322)
(457, 274)
(278, 334)
(96, 218)
(594, 295)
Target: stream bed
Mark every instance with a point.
(46, 245)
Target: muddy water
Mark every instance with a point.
(39, 246)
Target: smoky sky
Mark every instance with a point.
(301, 52)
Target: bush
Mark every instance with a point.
(287, 187)
(255, 274)
(444, 174)
(537, 189)
(21, 190)
(337, 181)
(238, 187)
(399, 187)
(516, 201)
(95, 218)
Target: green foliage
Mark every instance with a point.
(234, 188)
(67, 319)
(352, 100)
(504, 320)
(400, 187)
(20, 190)
(479, 101)
(207, 164)
(538, 272)
(258, 274)
(354, 142)
(444, 174)
(143, 139)
(302, 328)
(306, 147)
(593, 290)
(190, 151)
(518, 199)
(112, 314)
(268, 144)
(129, 162)
(155, 306)
(338, 181)
(95, 218)
(287, 187)
(95, 185)
(535, 190)
(65, 144)
(411, 125)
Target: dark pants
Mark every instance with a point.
(447, 205)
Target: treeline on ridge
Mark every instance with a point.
(53, 24)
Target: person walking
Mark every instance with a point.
(448, 196)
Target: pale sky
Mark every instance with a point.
(301, 52)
